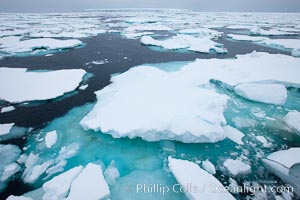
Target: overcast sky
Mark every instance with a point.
(200, 5)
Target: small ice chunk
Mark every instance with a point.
(32, 174)
(296, 52)
(286, 165)
(12, 197)
(233, 186)
(50, 139)
(5, 128)
(111, 173)
(209, 167)
(264, 141)
(265, 93)
(7, 109)
(292, 119)
(59, 186)
(236, 167)
(234, 134)
(187, 172)
(9, 170)
(90, 184)
(83, 87)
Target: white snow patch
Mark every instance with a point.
(37, 85)
(203, 32)
(111, 173)
(187, 172)
(9, 170)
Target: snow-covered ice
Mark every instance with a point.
(285, 164)
(209, 167)
(37, 85)
(292, 119)
(89, 184)
(7, 109)
(50, 139)
(270, 32)
(5, 128)
(236, 167)
(234, 134)
(188, 42)
(265, 93)
(187, 172)
(111, 173)
(59, 186)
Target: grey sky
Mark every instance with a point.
(200, 5)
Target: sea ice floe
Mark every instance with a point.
(9, 155)
(5, 128)
(166, 107)
(203, 32)
(265, 93)
(111, 173)
(270, 32)
(89, 184)
(12, 197)
(7, 109)
(209, 167)
(236, 167)
(234, 134)
(13, 45)
(156, 105)
(292, 119)
(188, 42)
(285, 164)
(50, 139)
(288, 44)
(187, 172)
(37, 85)
(59, 186)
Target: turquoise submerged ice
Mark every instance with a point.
(140, 162)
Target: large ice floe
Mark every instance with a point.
(292, 45)
(199, 183)
(156, 105)
(13, 45)
(188, 42)
(37, 85)
(292, 119)
(286, 165)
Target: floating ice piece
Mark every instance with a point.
(233, 186)
(5, 128)
(50, 139)
(270, 32)
(89, 184)
(9, 154)
(13, 45)
(187, 172)
(201, 44)
(166, 108)
(265, 93)
(7, 109)
(264, 141)
(286, 165)
(111, 173)
(292, 119)
(234, 134)
(37, 85)
(31, 174)
(135, 35)
(12, 197)
(288, 44)
(143, 27)
(59, 186)
(83, 87)
(9, 170)
(236, 167)
(209, 167)
(203, 32)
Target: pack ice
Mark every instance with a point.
(19, 85)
